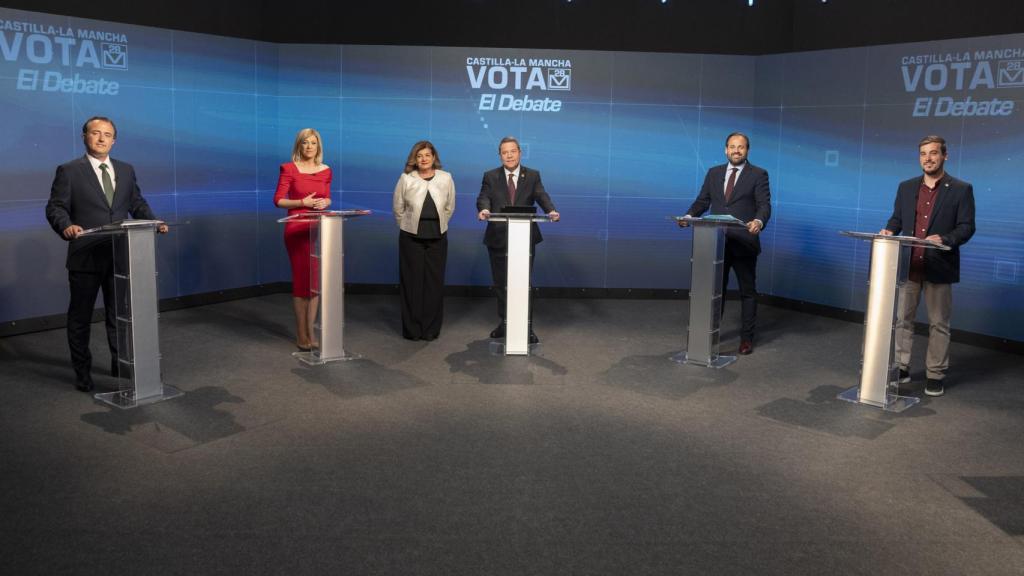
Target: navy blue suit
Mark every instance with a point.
(494, 197)
(76, 197)
(750, 200)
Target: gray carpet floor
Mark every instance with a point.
(596, 455)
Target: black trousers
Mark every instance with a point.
(744, 263)
(84, 287)
(421, 265)
(499, 275)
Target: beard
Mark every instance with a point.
(934, 170)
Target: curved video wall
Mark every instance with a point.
(622, 140)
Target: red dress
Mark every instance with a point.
(295, 185)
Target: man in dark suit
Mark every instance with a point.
(940, 208)
(516, 185)
(89, 192)
(741, 189)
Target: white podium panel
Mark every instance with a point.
(517, 297)
(517, 303)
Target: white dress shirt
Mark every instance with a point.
(515, 176)
(728, 171)
(99, 173)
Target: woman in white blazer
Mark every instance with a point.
(423, 203)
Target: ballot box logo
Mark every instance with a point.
(967, 83)
(518, 84)
(1011, 74)
(63, 59)
(114, 55)
(560, 79)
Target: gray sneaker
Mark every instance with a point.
(934, 388)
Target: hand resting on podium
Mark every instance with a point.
(754, 226)
(934, 238)
(73, 231)
(486, 214)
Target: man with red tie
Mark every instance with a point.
(511, 184)
(938, 207)
(740, 189)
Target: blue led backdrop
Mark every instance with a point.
(622, 141)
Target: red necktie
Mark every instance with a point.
(730, 184)
(511, 189)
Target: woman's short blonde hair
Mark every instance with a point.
(303, 135)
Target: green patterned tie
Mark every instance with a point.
(108, 185)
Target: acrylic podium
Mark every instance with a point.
(135, 303)
(706, 290)
(879, 378)
(327, 280)
(517, 294)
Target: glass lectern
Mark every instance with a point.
(706, 290)
(135, 302)
(879, 379)
(327, 280)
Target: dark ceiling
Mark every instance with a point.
(709, 26)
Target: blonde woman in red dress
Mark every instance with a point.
(304, 185)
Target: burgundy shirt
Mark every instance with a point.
(925, 202)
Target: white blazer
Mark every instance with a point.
(411, 191)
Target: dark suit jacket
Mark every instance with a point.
(751, 199)
(952, 218)
(494, 196)
(76, 197)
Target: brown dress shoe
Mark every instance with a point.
(746, 347)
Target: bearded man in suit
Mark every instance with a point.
(740, 189)
(934, 206)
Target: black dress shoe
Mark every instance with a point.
(84, 385)
(533, 338)
(498, 332)
(746, 347)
